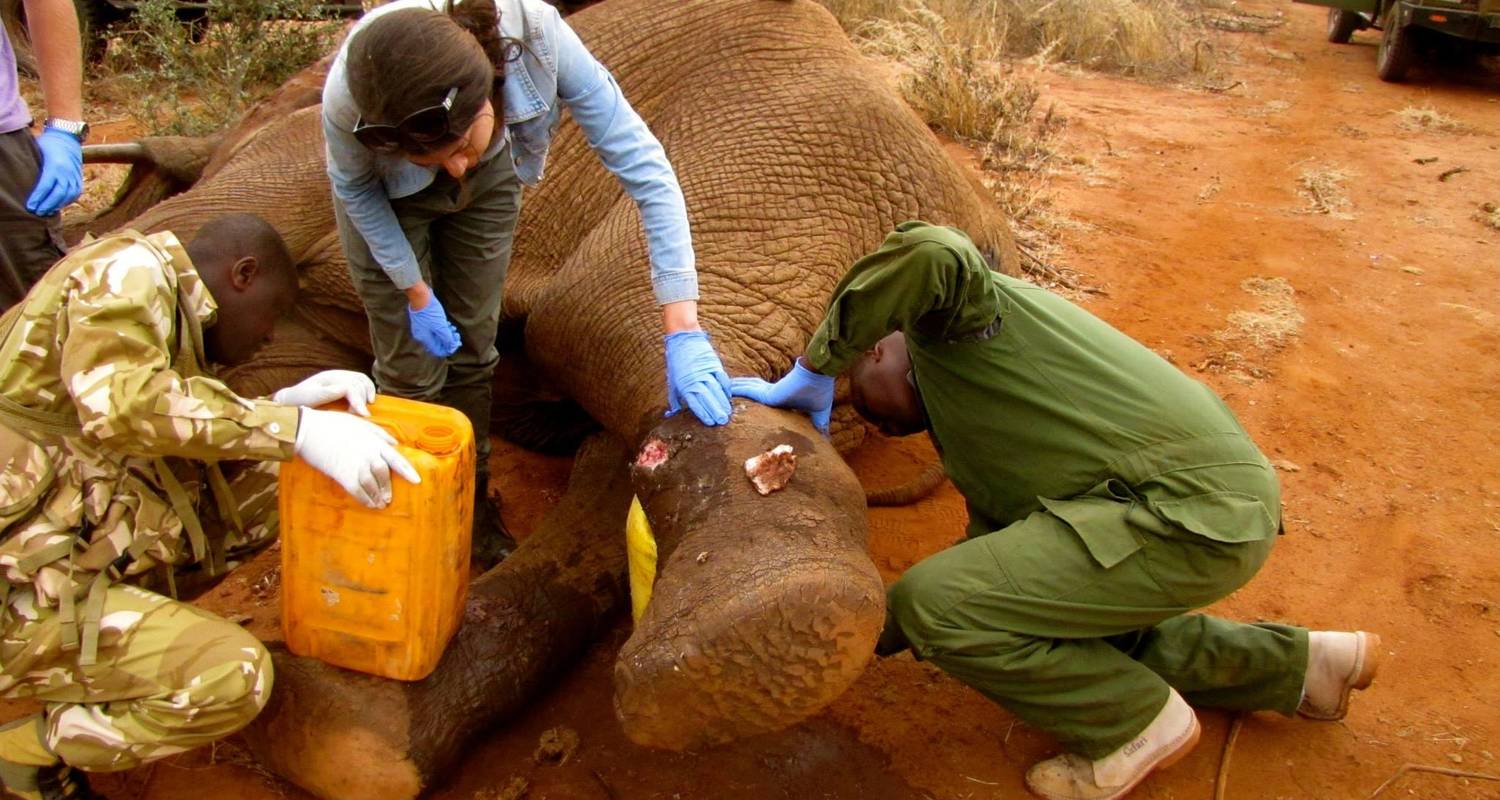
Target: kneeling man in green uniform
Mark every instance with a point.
(1109, 495)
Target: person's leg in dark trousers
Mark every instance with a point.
(29, 245)
(472, 249)
(403, 367)
(467, 274)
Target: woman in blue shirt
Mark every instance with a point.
(435, 114)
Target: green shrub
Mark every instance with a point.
(192, 77)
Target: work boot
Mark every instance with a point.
(491, 542)
(1170, 736)
(1338, 662)
(57, 782)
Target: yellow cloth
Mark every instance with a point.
(640, 551)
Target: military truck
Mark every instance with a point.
(1408, 27)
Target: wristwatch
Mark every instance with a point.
(77, 128)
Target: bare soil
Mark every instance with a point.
(1378, 395)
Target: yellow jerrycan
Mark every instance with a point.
(381, 591)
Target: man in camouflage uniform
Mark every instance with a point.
(111, 438)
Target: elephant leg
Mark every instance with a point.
(346, 736)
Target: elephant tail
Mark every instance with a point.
(910, 492)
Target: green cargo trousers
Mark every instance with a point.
(1027, 616)
(461, 232)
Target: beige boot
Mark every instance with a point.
(1168, 738)
(1338, 662)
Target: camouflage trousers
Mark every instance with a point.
(255, 497)
(169, 677)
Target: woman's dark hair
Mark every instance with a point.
(407, 60)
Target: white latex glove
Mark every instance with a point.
(356, 454)
(328, 386)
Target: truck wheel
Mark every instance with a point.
(1396, 52)
(94, 16)
(1342, 24)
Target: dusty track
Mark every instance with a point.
(1385, 412)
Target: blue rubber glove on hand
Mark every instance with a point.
(801, 390)
(696, 378)
(430, 326)
(61, 180)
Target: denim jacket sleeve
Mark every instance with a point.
(628, 149)
(354, 173)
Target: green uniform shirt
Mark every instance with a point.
(1035, 403)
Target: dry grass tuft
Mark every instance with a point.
(1488, 214)
(1270, 327)
(959, 71)
(1428, 119)
(1324, 189)
(1210, 189)
(1229, 17)
(1241, 347)
(1149, 38)
(950, 80)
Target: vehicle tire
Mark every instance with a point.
(1396, 52)
(94, 17)
(1342, 24)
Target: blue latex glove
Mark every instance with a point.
(430, 326)
(61, 180)
(696, 378)
(801, 390)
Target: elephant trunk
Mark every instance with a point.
(905, 494)
(767, 607)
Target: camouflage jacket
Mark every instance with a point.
(110, 341)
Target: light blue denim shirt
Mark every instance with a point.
(554, 66)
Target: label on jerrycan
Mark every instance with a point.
(381, 591)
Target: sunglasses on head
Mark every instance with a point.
(420, 129)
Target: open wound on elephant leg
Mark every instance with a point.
(772, 470)
(653, 454)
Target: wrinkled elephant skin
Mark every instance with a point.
(795, 157)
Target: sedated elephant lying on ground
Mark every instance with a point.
(795, 158)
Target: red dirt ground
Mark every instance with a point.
(1383, 414)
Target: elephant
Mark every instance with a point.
(796, 157)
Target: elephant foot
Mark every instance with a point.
(766, 608)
